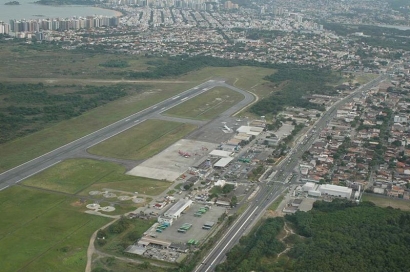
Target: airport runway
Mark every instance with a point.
(73, 149)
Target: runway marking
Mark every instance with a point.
(5, 187)
(230, 240)
(37, 171)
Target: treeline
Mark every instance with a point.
(180, 65)
(247, 255)
(344, 236)
(300, 82)
(27, 108)
(115, 64)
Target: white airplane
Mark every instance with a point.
(225, 127)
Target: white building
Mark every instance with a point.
(400, 119)
(334, 190)
(176, 210)
(308, 186)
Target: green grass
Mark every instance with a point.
(26, 148)
(117, 242)
(117, 265)
(143, 140)
(43, 232)
(386, 202)
(19, 61)
(276, 203)
(84, 175)
(208, 105)
(364, 78)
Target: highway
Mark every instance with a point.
(274, 187)
(71, 150)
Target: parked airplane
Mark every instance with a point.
(184, 154)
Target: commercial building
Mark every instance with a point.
(222, 163)
(334, 190)
(176, 210)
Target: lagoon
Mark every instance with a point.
(29, 10)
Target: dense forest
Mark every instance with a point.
(247, 255)
(300, 82)
(334, 236)
(180, 65)
(25, 108)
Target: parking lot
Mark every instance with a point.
(195, 232)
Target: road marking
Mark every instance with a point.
(136, 121)
(37, 172)
(185, 98)
(230, 240)
(163, 108)
(4, 188)
(224, 236)
(175, 97)
(127, 120)
(154, 107)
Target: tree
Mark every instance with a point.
(234, 201)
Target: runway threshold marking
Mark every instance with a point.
(37, 171)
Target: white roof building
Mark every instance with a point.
(223, 162)
(220, 153)
(308, 186)
(250, 130)
(176, 210)
(334, 190)
(220, 182)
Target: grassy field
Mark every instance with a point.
(63, 63)
(364, 78)
(43, 231)
(386, 202)
(38, 143)
(208, 105)
(79, 176)
(22, 149)
(143, 140)
(276, 203)
(113, 264)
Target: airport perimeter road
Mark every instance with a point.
(275, 186)
(73, 149)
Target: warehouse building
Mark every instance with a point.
(334, 190)
(176, 210)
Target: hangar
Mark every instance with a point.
(176, 210)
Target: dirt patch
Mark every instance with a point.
(77, 204)
(272, 214)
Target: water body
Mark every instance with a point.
(29, 10)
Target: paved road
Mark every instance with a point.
(77, 147)
(275, 186)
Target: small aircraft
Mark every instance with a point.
(225, 127)
(184, 154)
